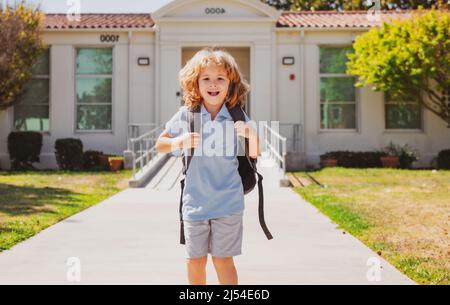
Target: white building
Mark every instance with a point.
(106, 71)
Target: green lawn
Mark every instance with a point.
(403, 215)
(33, 201)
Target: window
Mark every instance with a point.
(31, 112)
(402, 113)
(94, 69)
(337, 90)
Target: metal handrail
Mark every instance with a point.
(276, 146)
(143, 149)
(134, 131)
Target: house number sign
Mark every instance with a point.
(215, 11)
(109, 38)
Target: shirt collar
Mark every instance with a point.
(223, 112)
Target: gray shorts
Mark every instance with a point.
(221, 237)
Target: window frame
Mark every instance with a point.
(113, 98)
(402, 130)
(357, 94)
(39, 76)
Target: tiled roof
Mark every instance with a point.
(335, 19)
(99, 21)
(302, 19)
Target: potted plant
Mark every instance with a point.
(392, 155)
(328, 160)
(115, 163)
(407, 156)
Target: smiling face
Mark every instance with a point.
(213, 83)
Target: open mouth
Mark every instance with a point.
(213, 93)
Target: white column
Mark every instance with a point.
(170, 61)
(262, 82)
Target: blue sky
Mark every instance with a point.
(98, 6)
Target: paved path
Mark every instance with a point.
(132, 238)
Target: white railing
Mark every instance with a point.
(136, 130)
(276, 146)
(143, 149)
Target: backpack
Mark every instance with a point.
(246, 169)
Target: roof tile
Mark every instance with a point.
(335, 19)
(99, 21)
(302, 19)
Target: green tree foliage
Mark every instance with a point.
(349, 5)
(21, 45)
(408, 57)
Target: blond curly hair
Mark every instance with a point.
(190, 73)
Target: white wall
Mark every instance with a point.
(62, 94)
(143, 79)
(370, 133)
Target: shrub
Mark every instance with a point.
(356, 159)
(91, 160)
(24, 148)
(407, 156)
(443, 159)
(69, 154)
(104, 161)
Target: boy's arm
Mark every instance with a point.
(166, 143)
(246, 130)
(253, 140)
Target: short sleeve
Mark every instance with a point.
(177, 125)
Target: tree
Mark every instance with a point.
(349, 5)
(21, 44)
(408, 57)
(284, 5)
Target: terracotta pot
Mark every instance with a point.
(390, 161)
(329, 162)
(115, 165)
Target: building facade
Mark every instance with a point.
(106, 71)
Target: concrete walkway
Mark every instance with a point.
(132, 238)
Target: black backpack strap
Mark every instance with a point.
(182, 240)
(262, 222)
(237, 113)
(191, 126)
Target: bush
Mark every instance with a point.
(91, 160)
(24, 148)
(443, 159)
(355, 159)
(69, 154)
(407, 156)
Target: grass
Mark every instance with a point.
(33, 201)
(403, 215)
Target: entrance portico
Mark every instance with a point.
(245, 28)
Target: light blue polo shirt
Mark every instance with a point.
(213, 186)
